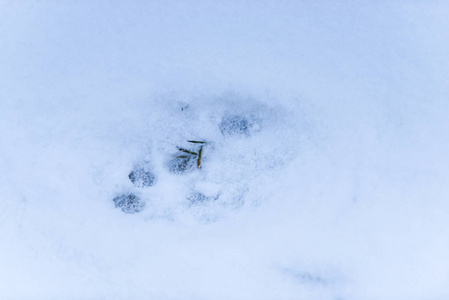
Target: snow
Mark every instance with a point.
(335, 188)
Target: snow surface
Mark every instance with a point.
(339, 189)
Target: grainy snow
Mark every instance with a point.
(324, 174)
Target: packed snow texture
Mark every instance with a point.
(324, 174)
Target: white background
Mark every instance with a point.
(342, 190)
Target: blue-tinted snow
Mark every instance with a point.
(336, 188)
